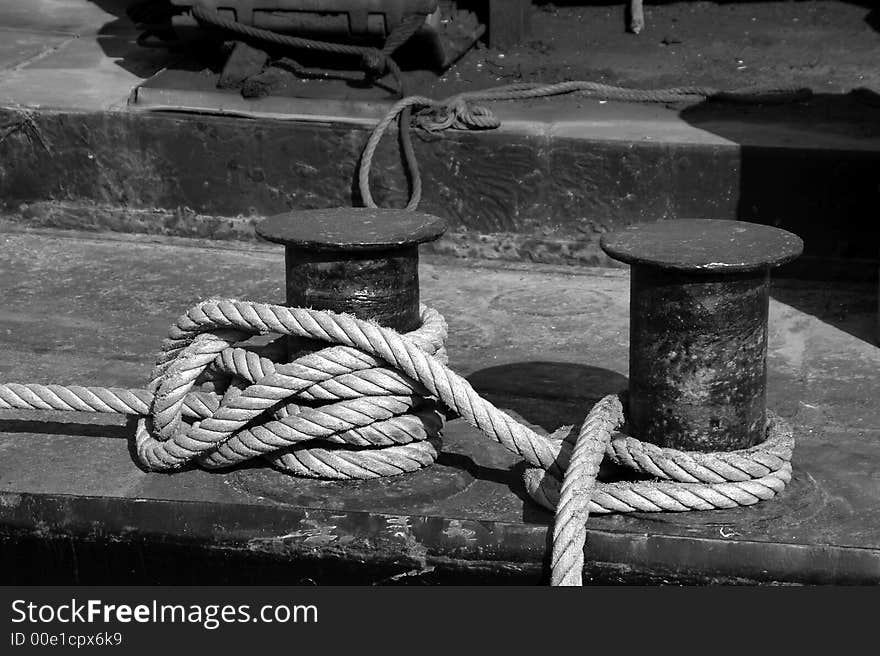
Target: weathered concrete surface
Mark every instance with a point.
(71, 17)
(72, 53)
(87, 73)
(18, 46)
(543, 188)
(544, 342)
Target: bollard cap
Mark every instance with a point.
(351, 229)
(703, 245)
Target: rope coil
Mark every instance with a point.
(369, 405)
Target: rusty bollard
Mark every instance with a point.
(699, 298)
(360, 261)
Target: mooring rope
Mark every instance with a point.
(369, 406)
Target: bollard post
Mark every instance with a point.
(360, 261)
(699, 298)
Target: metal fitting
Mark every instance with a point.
(699, 298)
(358, 261)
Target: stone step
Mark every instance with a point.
(103, 134)
(540, 191)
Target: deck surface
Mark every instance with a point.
(82, 55)
(542, 342)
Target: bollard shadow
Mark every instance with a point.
(44, 427)
(807, 166)
(847, 306)
(545, 396)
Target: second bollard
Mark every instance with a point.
(699, 298)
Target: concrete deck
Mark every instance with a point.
(84, 145)
(543, 342)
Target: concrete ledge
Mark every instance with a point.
(519, 195)
(94, 541)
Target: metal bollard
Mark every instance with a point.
(361, 261)
(699, 298)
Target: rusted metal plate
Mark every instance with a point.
(336, 19)
(464, 521)
(360, 261)
(698, 350)
(701, 245)
(351, 229)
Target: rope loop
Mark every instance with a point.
(457, 113)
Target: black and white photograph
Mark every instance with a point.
(313, 298)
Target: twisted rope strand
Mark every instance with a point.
(366, 407)
(572, 507)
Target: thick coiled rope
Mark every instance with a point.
(369, 406)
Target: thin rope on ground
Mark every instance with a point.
(463, 112)
(369, 405)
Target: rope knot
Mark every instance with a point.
(456, 113)
(336, 413)
(368, 407)
(375, 63)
